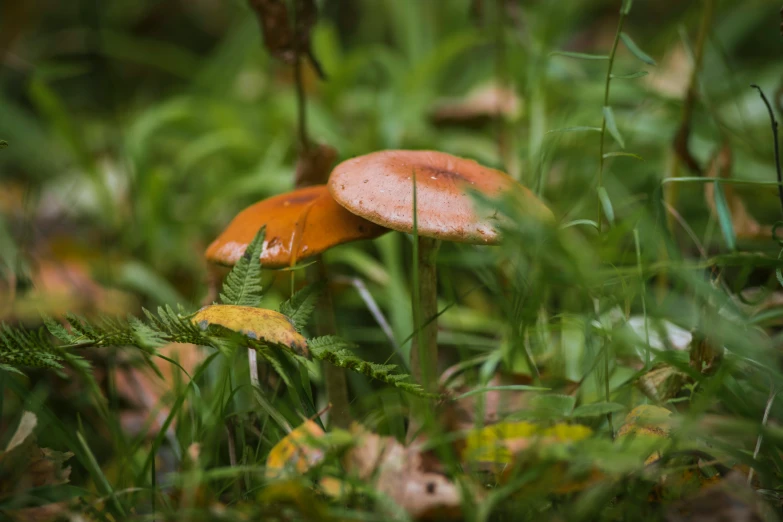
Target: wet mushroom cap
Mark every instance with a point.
(379, 188)
(299, 224)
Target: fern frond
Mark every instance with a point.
(299, 308)
(19, 347)
(269, 356)
(243, 284)
(337, 351)
(107, 331)
(58, 330)
(176, 328)
(146, 337)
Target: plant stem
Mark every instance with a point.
(301, 100)
(625, 7)
(334, 378)
(424, 350)
(607, 85)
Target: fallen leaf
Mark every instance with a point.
(295, 453)
(281, 38)
(255, 323)
(402, 474)
(647, 421)
(497, 444)
(24, 466)
(662, 382)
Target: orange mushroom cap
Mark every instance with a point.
(299, 224)
(379, 187)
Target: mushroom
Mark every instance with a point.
(379, 188)
(300, 224)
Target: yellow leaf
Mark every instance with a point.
(255, 323)
(498, 442)
(296, 452)
(647, 420)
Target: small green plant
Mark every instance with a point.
(21, 348)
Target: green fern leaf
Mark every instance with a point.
(299, 308)
(337, 351)
(146, 337)
(85, 331)
(269, 356)
(19, 347)
(243, 284)
(58, 330)
(9, 368)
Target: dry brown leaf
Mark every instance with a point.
(295, 453)
(745, 225)
(662, 382)
(24, 465)
(403, 475)
(281, 38)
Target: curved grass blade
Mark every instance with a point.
(611, 126)
(635, 50)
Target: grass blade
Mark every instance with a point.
(611, 126)
(575, 129)
(623, 154)
(635, 50)
(724, 217)
(629, 76)
(580, 56)
(606, 204)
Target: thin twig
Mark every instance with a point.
(774, 124)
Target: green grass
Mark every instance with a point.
(129, 148)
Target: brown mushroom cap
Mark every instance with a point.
(299, 224)
(379, 187)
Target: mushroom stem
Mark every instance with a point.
(424, 349)
(334, 378)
